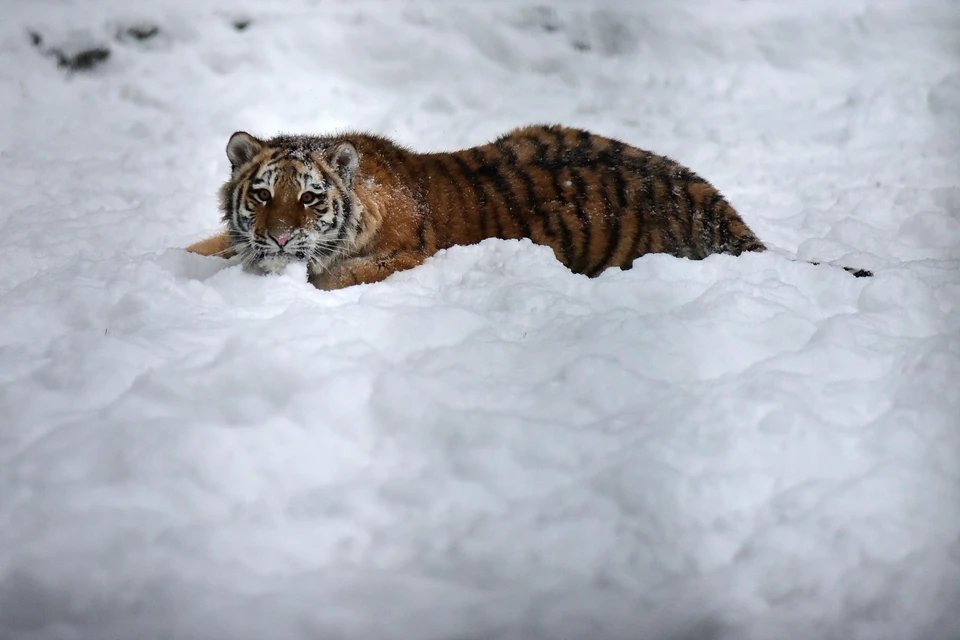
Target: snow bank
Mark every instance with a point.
(487, 446)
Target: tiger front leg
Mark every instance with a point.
(218, 245)
(365, 270)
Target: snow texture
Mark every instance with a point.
(487, 446)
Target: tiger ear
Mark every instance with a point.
(344, 159)
(241, 148)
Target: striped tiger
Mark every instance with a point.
(357, 207)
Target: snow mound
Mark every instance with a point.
(487, 446)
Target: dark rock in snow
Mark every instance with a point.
(141, 31)
(82, 59)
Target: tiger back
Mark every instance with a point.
(597, 202)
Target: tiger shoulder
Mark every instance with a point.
(357, 208)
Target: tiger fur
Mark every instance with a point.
(357, 207)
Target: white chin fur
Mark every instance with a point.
(276, 263)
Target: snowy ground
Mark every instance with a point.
(486, 447)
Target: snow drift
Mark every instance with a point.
(487, 446)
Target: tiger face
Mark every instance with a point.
(290, 199)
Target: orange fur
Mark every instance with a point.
(218, 245)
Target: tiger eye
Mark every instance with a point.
(308, 198)
(262, 194)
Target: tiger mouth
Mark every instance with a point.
(260, 254)
(274, 261)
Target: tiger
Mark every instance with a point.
(358, 207)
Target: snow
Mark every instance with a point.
(487, 446)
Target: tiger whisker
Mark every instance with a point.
(223, 252)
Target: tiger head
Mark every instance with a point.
(290, 199)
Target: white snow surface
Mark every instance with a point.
(487, 446)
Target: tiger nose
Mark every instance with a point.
(281, 240)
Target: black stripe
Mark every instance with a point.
(487, 170)
(580, 207)
(346, 210)
(238, 196)
(729, 244)
(503, 189)
(532, 204)
(685, 197)
(671, 212)
(614, 155)
(641, 165)
(229, 205)
(240, 193)
(585, 142)
(645, 201)
(267, 175)
(333, 180)
(720, 237)
(539, 162)
(471, 176)
(612, 218)
(554, 168)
